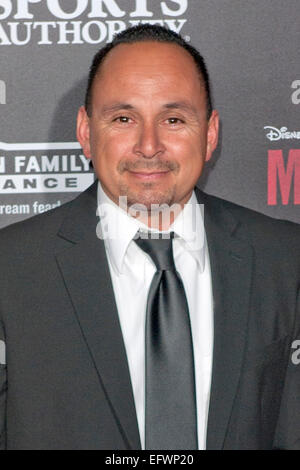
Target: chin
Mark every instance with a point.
(150, 197)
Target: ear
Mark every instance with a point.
(212, 134)
(83, 131)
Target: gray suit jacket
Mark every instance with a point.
(66, 382)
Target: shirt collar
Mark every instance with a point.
(189, 227)
(118, 229)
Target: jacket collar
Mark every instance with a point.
(231, 258)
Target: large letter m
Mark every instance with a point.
(284, 175)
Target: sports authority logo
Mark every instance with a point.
(85, 21)
(274, 134)
(54, 167)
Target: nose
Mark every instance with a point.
(148, 143)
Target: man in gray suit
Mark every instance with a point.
(77, 296)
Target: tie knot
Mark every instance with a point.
(159, 249)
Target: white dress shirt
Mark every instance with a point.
(132, 271)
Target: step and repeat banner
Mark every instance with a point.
(252, 52)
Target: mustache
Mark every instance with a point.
(158, 165)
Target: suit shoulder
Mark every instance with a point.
(38, 234)
(34, 230)
(262, 221)
(257, 227)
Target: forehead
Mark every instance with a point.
(148, 67)
(148, 54)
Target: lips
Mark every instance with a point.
(149, 174)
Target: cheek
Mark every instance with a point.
(108, 151)
(189, 154)
(191, 161)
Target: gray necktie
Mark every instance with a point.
(170, 415)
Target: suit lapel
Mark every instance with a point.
(85, 272)
(231, 269)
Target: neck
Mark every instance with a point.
(160, 219)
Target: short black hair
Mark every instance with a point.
(143, 33)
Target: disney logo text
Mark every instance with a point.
(282, 133)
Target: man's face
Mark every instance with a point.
(148, 134)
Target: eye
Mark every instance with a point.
(174, 120)
(122, 119)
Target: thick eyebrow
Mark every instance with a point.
(181, 105)
(116, 107)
